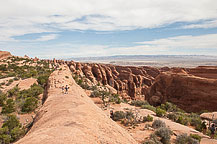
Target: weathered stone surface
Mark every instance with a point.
(4, 54)
(190, 93)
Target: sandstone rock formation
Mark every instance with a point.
(4, 54)
(132, 81)
(72, 118)
(189, 92)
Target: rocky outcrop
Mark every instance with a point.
(189, 92)
(132, 81)
(72, 118)
(4, 54)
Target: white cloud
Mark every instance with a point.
(19, 17)
(205, 24)
(47, 37)
(185, 42)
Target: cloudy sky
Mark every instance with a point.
(78, 28)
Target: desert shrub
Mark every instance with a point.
(5, 138)
(129, 115)
(164, 133)
(153, 140)
(9, 107)
(95, 93)
(149, 107)
(160, 112)
(42, 79)
(3, 67)
(3, 83)
(85, 86)
(118, 115)
(158, 123)
(147, 118)
(185, 139)
(34, 91)
(11, 80)
(29, 105)
(67, 77)
(16, 133)
(196, 121)
(3, 98)
(170, 107)
(195, 136)
(13, 92)
(139, 103)
(11, 129)
(11, 122)
(182, 120)
(16, 78)
(114, 98)
(172, 116)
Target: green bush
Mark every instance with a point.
(13, 92)
(3, 98)
(95, 93)
(118, 115)
(172, 116)
(160, 112)
(9, 107)
(182, 120)
(139, 103)
(195, 136)
(153, 140)
(164, 133)
(11, 122)
(158, 123)
(147, 118)
(129, 115)
(16, 133)
(149, 107)
(114, 98)
(29, 105)
(185, 139)
(42, 80)
(34, 91)
(196, 121)
(11, 130)
(3, 67)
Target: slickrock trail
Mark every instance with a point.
(72, 118)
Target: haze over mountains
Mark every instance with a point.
(153, 60)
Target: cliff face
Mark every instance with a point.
(189, 92)
(4, 54)
(72, 118)
(132, 81)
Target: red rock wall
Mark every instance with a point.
(190, 93)
(132, 81)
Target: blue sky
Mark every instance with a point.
(79, 28)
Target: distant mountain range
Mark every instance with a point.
(140, 57)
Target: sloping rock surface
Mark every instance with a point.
(72, 118)
(4, 54)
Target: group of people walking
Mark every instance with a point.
(65, 89)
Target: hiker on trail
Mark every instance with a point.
(66, 89)
(212, 129)
(204, 127)
(111, 114)
(63, 88)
